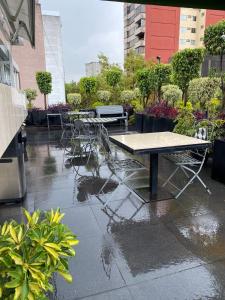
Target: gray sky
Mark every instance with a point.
(88, 28)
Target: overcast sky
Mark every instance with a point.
(88, 28)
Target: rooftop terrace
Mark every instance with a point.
(173, 249)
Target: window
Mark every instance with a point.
(203, 14)
(202, 26)
(182, 41)
(194, 18)
(193, 30)
(140, 50)
(183, 17)
(183, 29)
(192, 42)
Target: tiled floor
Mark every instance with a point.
(173, 249)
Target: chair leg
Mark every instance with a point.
(170, 177)
(204, 185)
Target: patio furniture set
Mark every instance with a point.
(187, 153)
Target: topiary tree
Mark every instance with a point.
(171, 94)
(202, 90)
(74, 99)
(31, 95)
(162, 75)
(127, 96)
(44, 82)
(113, 76)
(104, 96)
(185, 67)
(146, 83)
(113, 79)
(88, 87)
(214, 40)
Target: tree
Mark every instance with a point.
(171, 93)
(133, 62)
(113, 76)
(146, 83)
(44, 82)
(74, 99)
(202, 90)
(88, 87)
(71, 87)
(104, 62)
(104, 96)
(162, 75)
(113, 79)
(127, 96)
(185, 67)
(214, 40)
(31, 95)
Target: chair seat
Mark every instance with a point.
(182, 158)
(128, 165)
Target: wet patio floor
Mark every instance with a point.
(173, 249)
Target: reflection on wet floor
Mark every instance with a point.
(173, 249)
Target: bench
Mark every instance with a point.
(115, 111)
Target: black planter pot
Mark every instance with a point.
(29, 119)
(139, 119)
(153, 124)
(39, 117)
(218, 166)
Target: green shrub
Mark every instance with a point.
(202, 90)
(31, 253)
(127, 96)
(104, 96)
(74, 99)
(171, 94)
(185, 121)
(97, 103)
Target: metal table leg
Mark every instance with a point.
(153, 175)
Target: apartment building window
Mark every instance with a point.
(193, 30)
(128, 9)
(183, 29)
(202, 26)
(182, 41)
(193, 42)
(194, 18)
(183, 17)
(203, 14)
(140, 50)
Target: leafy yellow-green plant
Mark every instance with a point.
(31, 252)
(185, 121)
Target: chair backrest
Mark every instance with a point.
(202, 133)
(109, 110)
(80, 128)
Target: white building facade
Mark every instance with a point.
(54, 55)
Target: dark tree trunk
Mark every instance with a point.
(45, 99)
(185, 97)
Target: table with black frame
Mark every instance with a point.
(154, 144)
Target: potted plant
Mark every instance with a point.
(159, 117)
(31, 252)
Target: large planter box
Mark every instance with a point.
(152, 124)
(218, 167)
(139, 117)
(39, 117)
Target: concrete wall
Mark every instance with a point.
(30, 60)
(54, 55)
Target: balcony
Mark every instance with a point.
(12, 114)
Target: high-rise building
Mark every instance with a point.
(54, 55)
(92, 69)
(159, 31)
